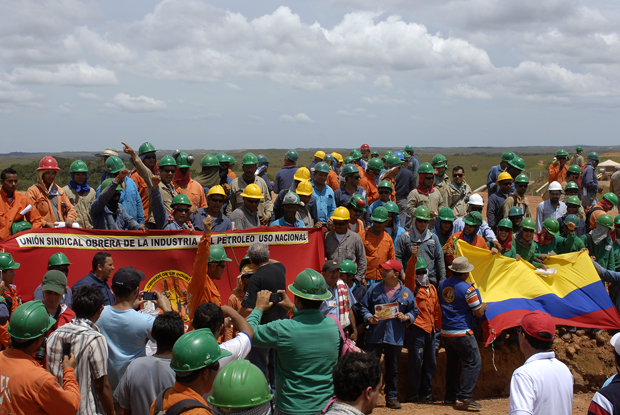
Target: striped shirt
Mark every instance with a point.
(91, 354)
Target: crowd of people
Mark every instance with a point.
(391, 278)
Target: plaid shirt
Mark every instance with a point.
(341, 408)
(91, 354)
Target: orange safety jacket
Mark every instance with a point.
(557, 174)
(194, 191)
(201, 288)
(379, 249)
(9, 213)
(448, 258)
(369, 184)
(429, 309)
(332, 180)
(38, 194)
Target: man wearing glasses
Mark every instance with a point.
(457, 192)
(497, 199)
(215, 201)
(246, 216)
(518, 199)
(265, 206)
(557, 170)
(351, 186)
(342, 243)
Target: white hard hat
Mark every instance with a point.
(475, 199)
(555, 186)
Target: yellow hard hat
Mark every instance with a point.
(302, 173)
(504, 176)
(304, 188)
(216, 190)
(252, 191)
(341, 213)
(338, 157)
(320, 154)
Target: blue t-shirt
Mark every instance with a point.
(281, 222)
(457, 299)
(126, 332)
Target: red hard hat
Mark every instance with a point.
(48, 163)
(365, 147)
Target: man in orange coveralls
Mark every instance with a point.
(13, 202)
(26, 388)
(49, 199)
(208, 266)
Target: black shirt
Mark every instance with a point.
(270, 277)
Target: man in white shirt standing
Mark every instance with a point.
(543, 385)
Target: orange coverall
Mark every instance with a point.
(379, 249)
(9, 213)
(369, 184)
(194, 191)
(557, 174)
(38, 194)
(201, 288)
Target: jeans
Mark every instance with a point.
(264, 358)
(464, 348)
(405, 219)
(392, 357)
(422, 363)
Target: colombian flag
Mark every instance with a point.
(574, 296)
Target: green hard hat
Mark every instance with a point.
(391, 207)
(195, 350)
(358, 202)
(352, 152)
(291, 198)
(575, 169)
(505, 223)
(572, 218)
(426, 168)
(321, 167)
(522, 178)
(20, 226)
(78, 166)
(30, 321)
(169, 161)
(180, 199)
(114, 164)
(473, 219)
(182, 161)
(605, 220)
(240, 384)
(349, 169)
(375, 163)
(292, 155)
(374, 153)
(393, 160)
(217, 253)
(421, 264)
(348, 160)
(612, 198)
(439, 161)
(445, 213)
(409, 147)
(146, 148)
(356, 155)
(507, 156)
(388, 154)
(6, 262)
(593, 156)
(422, 213)
(380, 214)
(348, 267)
(262, 158)
(579, 148)
(573, 200)
(209, 160)
(386, 183)
(553, 226)
(58, 259)
(106, 182)
(517, 163)
(329, 158)
(515, 211)
(528, 223)
(561, 152)
(617, 220)
(310, 284)
(244, 261)
(231, 159)
(222, 158)
(249, 158)
(571, 186)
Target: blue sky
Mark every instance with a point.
(226, 75)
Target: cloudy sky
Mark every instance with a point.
(79, 75)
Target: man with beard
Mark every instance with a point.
(107, 212)
(551, 208)
(265, 207)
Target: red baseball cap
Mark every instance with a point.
(392, 264)
(538, 325)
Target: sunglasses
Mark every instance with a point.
(505, 183)
(182, 210)
(504, 229)
(445, 222)
(356, 177)
(216, 200)
(561, 158)
(375, 171)
(522, 185)
(253, 201)
(169, 170)
(340, 223)
(384, 192)
(221, 264)
(457, 175)
(149, 157)
(527, 230)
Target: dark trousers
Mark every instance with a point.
(392, 357)
(264, 359)
(458, 350)
(422, 363)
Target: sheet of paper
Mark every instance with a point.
(386, 311)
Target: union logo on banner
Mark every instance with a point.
(173, 284)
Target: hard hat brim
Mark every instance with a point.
(314, 297)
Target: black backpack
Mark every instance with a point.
(178, 408)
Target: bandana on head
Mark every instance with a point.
(540, 239)
(79, 187)
(182, 179)
(421, 188)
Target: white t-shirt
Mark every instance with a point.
(240, 347)
(542, 386)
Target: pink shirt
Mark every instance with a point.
(390, 291)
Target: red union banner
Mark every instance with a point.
(165, 257)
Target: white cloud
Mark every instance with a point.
(64, 74)
(89, 96)
(255, 117)
(63, 110)
(12, 94)
(383, 100)
(467, 92)
(383, 81)
(232, 86)
(137, 104)
(356, 111)
(299, 118)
